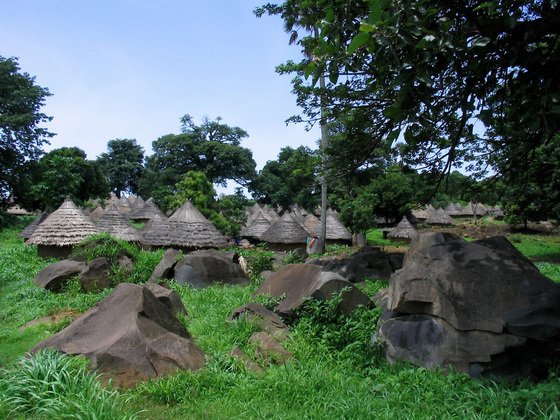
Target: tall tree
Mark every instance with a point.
(211, 147)
(123, 165)
(66, 172)
(21, 134)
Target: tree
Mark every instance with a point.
(426, 71)
(21, 136)
(123, 165)
(292, 179)
(66, 172)
(211, 147)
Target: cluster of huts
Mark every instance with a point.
(187, 229)
(405, 230)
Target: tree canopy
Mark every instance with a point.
(123, 165)
(21, 133)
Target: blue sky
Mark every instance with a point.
(132, 68)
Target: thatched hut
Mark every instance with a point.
(453, 210)
(115, 223)
(255, 227)
(404, 231)
(286, 234)
(124, 205)
(61, 230)
(30, 228)
(336, 231)
(96, 213)
(420, 214)
(147, 212)
(186, 229)
(439, 218)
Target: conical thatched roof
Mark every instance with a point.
(96, 213)
(270, 213)
(124, 205)
(439, 217)
(115, 223)
(147, 212)
(312, 224)
(403, 231)
(250, 211)
(65, 226)
(286, 230)
(469, 209)
(186, 228)
(452, 210)
(336, 231)
(255, 227)
(30, 228)
(420, 214)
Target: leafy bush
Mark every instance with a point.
(52, 385)
(293, 257)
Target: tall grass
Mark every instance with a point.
(52, 385)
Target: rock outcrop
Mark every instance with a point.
(130, 336)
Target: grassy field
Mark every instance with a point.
(335, 373)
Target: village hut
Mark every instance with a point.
(186, 229)
(469, 210)
(30, 228)
(286, 234)
(404, 231)
(113, 199)
(312, 224)
(453, 210)
(271, 214)
(124, 205)
(116, 224)
(136, 202)
(96, 213)
(253, 210)
(255, 227)
(17, 210)
(61, 230)
(147, 212)
(336, 231)
(420, 214)
(439, 218)
(496, 212)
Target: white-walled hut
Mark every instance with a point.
(62, 230)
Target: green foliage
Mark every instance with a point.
(123, 165)
(52, 385)
(375, 237)
(21, 133)
(66, 172)
(292, 179)
(293, 257)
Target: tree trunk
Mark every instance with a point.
(324, 167)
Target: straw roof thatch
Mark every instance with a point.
(469, 209)
(255, 227)
(312, 224)
(336, 231)
(115, 223)
(17, 210)
(96, 213)
(439, 217)
(186, 228)
(453, 209)
(420, 214)
(65, 226)
(124, 205)
(147, 212)
(403, 231)
(286, 230)
(30, 228)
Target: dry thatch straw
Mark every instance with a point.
(404, 231)
(30, 228)
(420, 214)
(255, 227)
(66, 226)
(439, 217)
(453, 209)
(312, 224)
(286, 230)
(186, 228)
(124, 205)
(336, 231)
(147, 212)
(115, 223)
(96, 213)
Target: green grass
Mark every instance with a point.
(538, 248)
(335, 373)
(375, 238)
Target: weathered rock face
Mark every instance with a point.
(95, 276)
(297, 282)
(474, 306)
(266, 320)
(202, 269)
(130, 336)
(168, 297)
(55, 276)
(165, 268)
(369, 262)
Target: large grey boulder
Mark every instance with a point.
(205, 268)
(95, 277)
(368, 262)
(297, 282)
(130, 336)
(166, 267)
(476, 306)
(55, 276)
